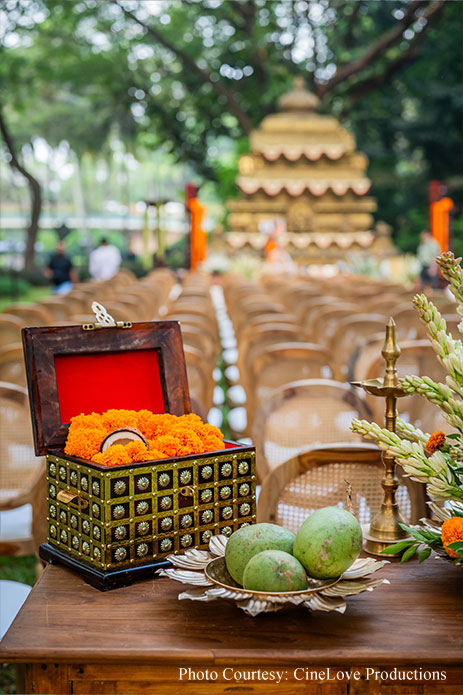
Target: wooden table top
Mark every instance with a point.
(416, 619)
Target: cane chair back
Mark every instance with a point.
(408, 323)
(139, 302)
(349, 337)
(202, 323)
(306, 308)
(366, 356)
(200, 380)
(10, 329)
(247, 329)
(326, 319)
(417, 357)
(193, 336)
(453, 321)
(195, 308)
(78, 303)
(19, 465)
(262, 337)
(57, 307)
(12, 369)
(247, 315)
(317, 478)
(382, 303)
(31, 314)
(132, 306)
(302, 414)
(280, 364)
(124, 276)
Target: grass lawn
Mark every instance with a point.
(31, 295)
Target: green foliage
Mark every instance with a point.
(193, 78)
(135, 266)
(457, 547)
(176, 254)
(18, 569)
(431, 540)
(12, 286)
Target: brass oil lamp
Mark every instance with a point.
(384, 528)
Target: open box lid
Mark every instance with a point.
(71, 371)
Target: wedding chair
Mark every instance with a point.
(31, 314)
(280, 364)
(318, 476)
(301, 414)
(10, 329)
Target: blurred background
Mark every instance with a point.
(106, 106)
(294, 152)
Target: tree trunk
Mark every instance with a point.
(35, 193)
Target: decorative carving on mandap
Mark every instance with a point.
(303, 168)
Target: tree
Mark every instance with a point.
(197, 74)
(34, 188)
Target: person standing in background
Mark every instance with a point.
(60, 270)
(427, 252)
(104, 261)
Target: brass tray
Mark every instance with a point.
(210, 581)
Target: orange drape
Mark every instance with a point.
(440, 222)
(198, 237)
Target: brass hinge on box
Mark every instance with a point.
(104, 320)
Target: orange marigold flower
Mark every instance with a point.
(92, 421)
(115, 455)
(213, 444)
(156, 454)
(157, 425)
(168, 436)
(167, 444)
(452, 531)
(435, 442)
(151, 455)
(142, 418)
(188, 441)
(116, 419)
(84, 443)
(136, 449)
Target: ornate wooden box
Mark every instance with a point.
(117, 524)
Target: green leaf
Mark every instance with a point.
(396, 548)
(419, 535)
(457, 546)
(424, 554)
(453, 436)
(410, 552)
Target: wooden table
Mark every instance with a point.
(74, 639)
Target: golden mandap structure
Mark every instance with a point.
(304, 176)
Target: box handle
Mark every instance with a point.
(72, 498)
(104, 320)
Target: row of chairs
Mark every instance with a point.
(191, 305)
(292, 335)
(125, 297)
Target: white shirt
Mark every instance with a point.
(104, 262)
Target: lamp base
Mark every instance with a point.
(375, 545)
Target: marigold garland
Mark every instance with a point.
(168, 436)
(452, 531)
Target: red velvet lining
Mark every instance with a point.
(97, 382)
